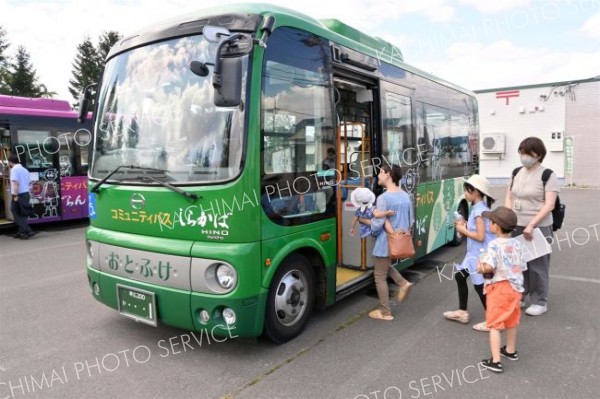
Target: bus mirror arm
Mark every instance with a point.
(216, 81)
(260, 42)
(266, 30)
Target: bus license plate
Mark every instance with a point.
(137, 304)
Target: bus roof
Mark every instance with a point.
(49, 104)
(331, 29)
(29, 106)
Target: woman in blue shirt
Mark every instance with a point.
(396, 200)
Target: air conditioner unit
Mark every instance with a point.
(555, 144)
(493, 143)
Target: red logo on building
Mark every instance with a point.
(507, 94)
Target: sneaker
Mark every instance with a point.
(490, 365)
(457, 315)
(536, 310)
(27, 235)
(511, 356)
(481, 327)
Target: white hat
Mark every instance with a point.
(480, 183)
(362, 198)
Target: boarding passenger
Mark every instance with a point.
(477, 231)
(397, 200)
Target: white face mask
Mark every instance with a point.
(528, 161)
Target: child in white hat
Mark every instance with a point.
(477, 231)
(363, 199)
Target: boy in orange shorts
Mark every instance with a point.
(502, 267)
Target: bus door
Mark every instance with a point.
(38, 150)
(398, 144)
(73, 167)
(5, 197)
(355, 126)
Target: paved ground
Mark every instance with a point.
(51, 326)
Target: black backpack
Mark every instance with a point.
(558, 213)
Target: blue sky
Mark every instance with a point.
(477, 44)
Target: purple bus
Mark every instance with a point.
(53, 146)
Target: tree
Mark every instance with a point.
(3, 46)
(89, 61)
(105, 43)
(4, 63)
(44, 91)
(85, 67)
(23, 80)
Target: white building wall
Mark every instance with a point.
(583, 125)
(534, 112)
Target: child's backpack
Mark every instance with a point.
(558, 213)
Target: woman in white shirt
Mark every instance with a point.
(533, 201)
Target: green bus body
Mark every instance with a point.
(152, 248)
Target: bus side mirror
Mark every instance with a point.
(84, 103)
(227, 74)
(229, 93)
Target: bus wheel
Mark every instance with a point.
(290, 300)
(458, 238)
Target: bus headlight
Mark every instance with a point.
(218, 277)
(226, 276)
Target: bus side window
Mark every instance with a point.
(73, 153)
(299, 205)
(35, 148)
(66, 154)
(297, 128)
(448, 132)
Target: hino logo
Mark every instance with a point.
(137, 201)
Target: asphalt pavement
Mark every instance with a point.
(56, 341)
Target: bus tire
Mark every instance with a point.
(291, 299)
(458, 238)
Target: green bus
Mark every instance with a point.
(226, 146)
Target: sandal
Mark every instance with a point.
(457, 315)
(376, 314)
(403, 291)
(481, 327)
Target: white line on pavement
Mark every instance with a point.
(585, 280)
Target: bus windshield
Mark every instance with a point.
(155, 114)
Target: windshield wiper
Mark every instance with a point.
(101, 182)
(170, 187)
(145, 177)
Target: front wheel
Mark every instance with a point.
(291, 299)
